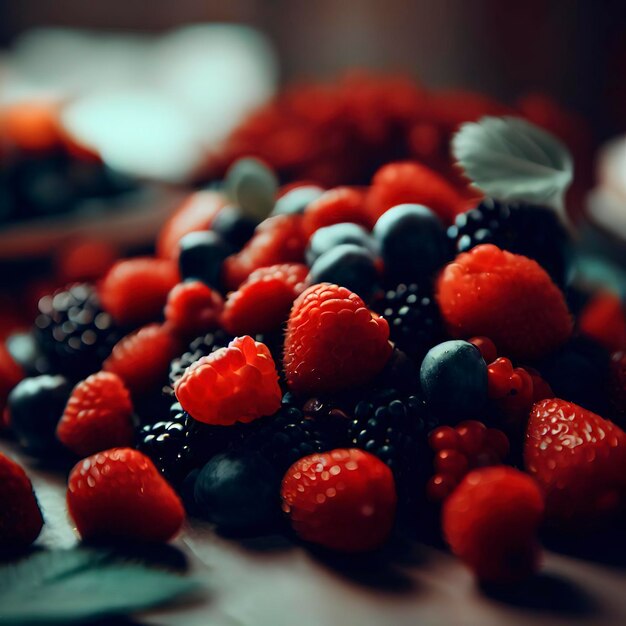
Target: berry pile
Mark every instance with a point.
(359, 360)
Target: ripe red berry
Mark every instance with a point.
(508, 297)
(490, 522)
(142, 359)
(487, 348)
(234, 384)
(413, 183)
(20, 517)
(85, 260)
(343, 500)
(341, 204)
(98, 415)
(333, 341)
(263, 301)
(578, 459)
(134, 291)
(604, 319)
(119, 493)
(510, 388)
(278, 239)
(10, 374)
(193, 308)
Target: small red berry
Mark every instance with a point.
(193, 308)
(487, 348)
(604, 319)
(10, 374)
(341, 204)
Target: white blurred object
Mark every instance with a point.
(150, 105)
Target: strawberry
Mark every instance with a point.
(119, 493)
(604, 319)
(134, 291)
(341, 204)
(97, 416)
(193, 308)
(490, 522)
(333, 341)
(20, 518)
(343, 500)
(263, 301)
(507, 297)
(579, 460)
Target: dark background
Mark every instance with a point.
(572, 49)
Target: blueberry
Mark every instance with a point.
(453, 376)
(238, 492)
(252, 185)
(201, 256)
(412, 240)
(36, 405)
(26, 351)
(296, 200)
(233, 226)
(324, 239)
(347, 265)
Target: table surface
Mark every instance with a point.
(270, 582)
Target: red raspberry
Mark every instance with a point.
(490, 522)
(487, 348)
(263, 301)
(98, 415)
(333, 341)
(134, 291)
(409, 182)
(10, 374)
(85, 260)
(604, 319)
(234, 384)
(618, 386)
(196, 213)
(508, 297)
(579, 460)
(142, 359)
(20, 517)
(343, 500)
(119, 493)
(462, 448)
(193, 308)
(342, 204)
(278, 239)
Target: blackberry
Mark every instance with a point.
(413, 316)
(74, 332)
(533, 231)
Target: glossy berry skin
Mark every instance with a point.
(263, 301)
(325, 239)
(193, 308)
(603, 319)
(234, 227)
(333, 341)
(507, 297)
(341, 204)
(412, 242)
(234, 384)
(20, 518)
(35, 406)
(201, 257)
(238, 492)
(453, 376)
(98, 415)
(119, 494)
(490, 522)
(348, 265)
(344, 500)
(579, 461)
(296, 200)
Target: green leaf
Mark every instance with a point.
(68, 586)
(508, 158)
(252, 186)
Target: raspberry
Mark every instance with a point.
(278, 239)
(460, 449)
(10, 375)
(119, 493)
(412, 183)
(234, 384)
(618, 387)
(142, 358)
(85, 260)
(20, 517)
(196, 213)
(333, 341)
(343, 500)
(604, 319)
(507, 297)
(134, 291)
(192, 308)
(98, 415)
(341, 204)
(579, 460)
(263, 301)
(490, 522)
